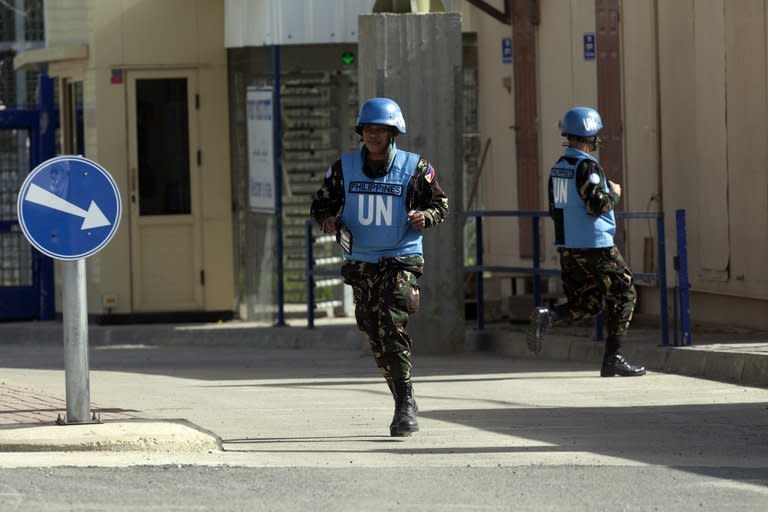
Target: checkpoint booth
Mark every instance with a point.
(150, 105)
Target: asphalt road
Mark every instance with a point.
(555, 488)
(307, 430)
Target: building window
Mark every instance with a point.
(163, 146)
(34, 27)
(7, 79)
(7, 23)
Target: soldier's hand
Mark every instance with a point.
(615, 188)
(417, 219)
(329, 225)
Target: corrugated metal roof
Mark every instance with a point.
(281, 22)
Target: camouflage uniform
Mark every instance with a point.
(595, 280)
(592, 275)
(385, 293)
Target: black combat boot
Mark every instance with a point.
(614, 363)
(394, 396)
(404, 421)
(541, 321)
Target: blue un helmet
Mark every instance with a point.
(581, 122)
(381, 111)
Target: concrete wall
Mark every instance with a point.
(416, 60)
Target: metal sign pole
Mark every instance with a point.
(75, 317)
(69, 208)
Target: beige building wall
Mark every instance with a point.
(496, 114)
(66, 22)
(713, 102)
(695, 122)
(566, 80)
(642, 187)
(711, 146)
(747, 121)
(150, 35)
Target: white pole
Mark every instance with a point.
(75, 312)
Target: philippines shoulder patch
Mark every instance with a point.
(429, 174)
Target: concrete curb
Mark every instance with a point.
(710, 362)
(738, 363)
(335, 336)
(172, 436)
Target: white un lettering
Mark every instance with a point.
(560, 191)
(590, 124)
(370, 207)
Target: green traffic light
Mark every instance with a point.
(348, 58)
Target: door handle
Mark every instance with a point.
(132, 184)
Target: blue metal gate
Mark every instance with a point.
(27, 138)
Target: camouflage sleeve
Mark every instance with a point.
(425, 194)
(591, 184)
(329, 198)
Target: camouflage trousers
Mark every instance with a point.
(386, 293)
(596, 280)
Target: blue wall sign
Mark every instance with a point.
(69, 207)
(589, 45)
(506, 50)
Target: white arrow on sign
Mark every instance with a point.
(93, 218)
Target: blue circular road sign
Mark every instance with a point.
(69, 207)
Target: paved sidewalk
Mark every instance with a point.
(735, 356)
(29, 423)
(28, 418)
(28, 407)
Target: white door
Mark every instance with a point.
(164, 187)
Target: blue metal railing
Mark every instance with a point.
(683, 334)
(312, 271)
(536, 271)
(681, 303)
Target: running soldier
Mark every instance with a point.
(595, 277)
(377, 201)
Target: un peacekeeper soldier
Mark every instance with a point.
(594, 274)
(383, 197)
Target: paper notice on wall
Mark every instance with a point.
(261, 161)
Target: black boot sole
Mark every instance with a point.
(395, 432)
(605, 373)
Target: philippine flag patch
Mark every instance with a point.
(430, 174)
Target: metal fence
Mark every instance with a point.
(681, 312)
(681, 304)
(330, 277)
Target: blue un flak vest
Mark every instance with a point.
(375, 209)
(579, 229)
